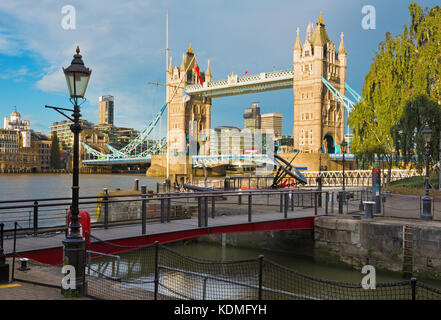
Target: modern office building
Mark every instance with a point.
(105, 110)
(64, 134)
(226, 140)
(272, 122)
(252, 117)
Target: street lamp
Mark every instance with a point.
(343, 149)
(77, 78)
(427, 135)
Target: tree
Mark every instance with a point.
(55, 159)
(418, 111)
(405, 66)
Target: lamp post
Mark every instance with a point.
(77, 78)
(427, 135)
(343, 148)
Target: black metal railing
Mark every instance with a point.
(157, 272)
(41, 215)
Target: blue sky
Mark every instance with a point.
(123, 42)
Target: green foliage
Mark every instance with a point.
(418, 111)
(405, 66)
(69, 293)
(55, 159)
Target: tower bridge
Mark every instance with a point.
(317, 78)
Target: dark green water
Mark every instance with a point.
(186, 275)
(300, 263)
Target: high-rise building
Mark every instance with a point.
(105, 110)
(252, 117)
(272, 122)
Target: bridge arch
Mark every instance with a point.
(328, 144)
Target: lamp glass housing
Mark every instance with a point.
(344, 146)
(427, 134)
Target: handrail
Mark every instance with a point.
(162, 196)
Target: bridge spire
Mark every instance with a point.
(320, 20)
(208, 75)
(298, 45)
(170, 66)
(342, 49)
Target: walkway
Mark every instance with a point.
(26, 291)
(166, 232)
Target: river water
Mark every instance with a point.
(34, 186)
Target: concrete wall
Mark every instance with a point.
(378, 243)
(286, 241)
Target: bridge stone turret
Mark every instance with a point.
(186, 118)
(318, 116)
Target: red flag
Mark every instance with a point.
(246, 72)
(196, 69)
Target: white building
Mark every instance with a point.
(17, 124)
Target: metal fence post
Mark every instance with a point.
(156, 269)
(143, 208)
(162, 211)
(239, 200)
(168, 209)
(106, 209)
(281, 202)
(332, 202)
(213, 206)
(250, 204)
(2, 225)
(286, 204)
(14, 247)
(327, 200)
(206, 211)
(199, 212)
(35, 217)
(413, 284)
(315, 203)
(292, 201)
(204, 288)
(260, 276)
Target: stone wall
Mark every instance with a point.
(312, 161)
(131, 210)
(378, 243)
(299, 242)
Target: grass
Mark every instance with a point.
(414, 186)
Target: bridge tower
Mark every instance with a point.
(186, 118)
(318, 116)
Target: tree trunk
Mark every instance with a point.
(389, 170)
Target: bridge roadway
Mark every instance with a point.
(48, 248)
